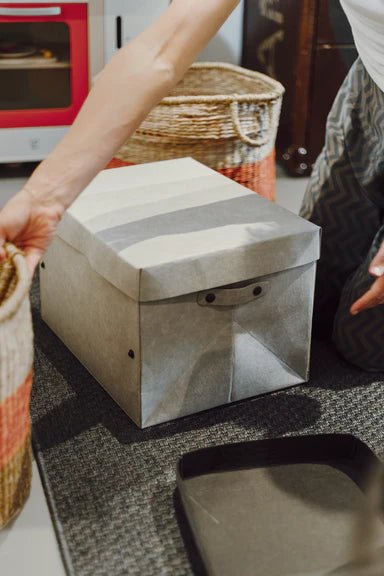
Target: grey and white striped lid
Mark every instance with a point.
(175, 227)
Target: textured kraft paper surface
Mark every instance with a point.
(291, 520)
(187, 357)
(170, 228)
(125, 280)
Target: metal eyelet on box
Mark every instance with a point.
(210, 298)
(257, 291)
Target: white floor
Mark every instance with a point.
(28, 547)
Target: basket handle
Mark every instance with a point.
(10, 306)
(258, 141)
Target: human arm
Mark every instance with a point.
(131, 84)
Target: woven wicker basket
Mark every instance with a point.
(222, 115)
(16, 354)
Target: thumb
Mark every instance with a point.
(3, 254)
(33, 258)
(376, 267)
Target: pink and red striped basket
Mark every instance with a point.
(16, 357)
(222, 115)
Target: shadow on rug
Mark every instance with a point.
(111, 487)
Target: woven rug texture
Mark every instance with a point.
(111, 487)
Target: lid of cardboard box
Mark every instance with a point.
(174, 227)
(299, 506)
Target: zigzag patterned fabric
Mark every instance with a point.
(16, 355)
(345, 197)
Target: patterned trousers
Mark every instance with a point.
(345, 197)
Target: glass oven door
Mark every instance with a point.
(43, 63)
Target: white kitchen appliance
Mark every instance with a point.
(124, 19)
(51, 51)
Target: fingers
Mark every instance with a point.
(2, 242)
(3, 254)
(4, 236)
(376, 267)
(373, 297)
(33, 258)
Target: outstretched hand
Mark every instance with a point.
(29, 224)
(375, 295)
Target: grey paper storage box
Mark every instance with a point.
(181, 290)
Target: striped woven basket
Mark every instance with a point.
(16, 354)
(223, 116)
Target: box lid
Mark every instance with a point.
(285, 506)
(174, 227)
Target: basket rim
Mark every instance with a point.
(13, 303)
(276, 92)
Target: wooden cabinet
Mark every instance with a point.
(308, 46)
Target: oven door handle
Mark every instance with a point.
(44, 11)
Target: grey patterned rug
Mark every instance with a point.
(111, 486)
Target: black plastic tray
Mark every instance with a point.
(293, 506)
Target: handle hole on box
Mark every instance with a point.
(42, 264)
(257, 290)
(210, 298)
(131, 354)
